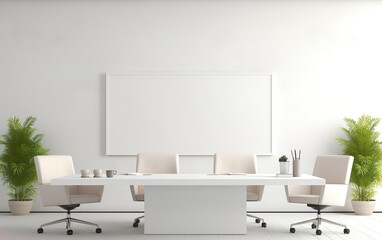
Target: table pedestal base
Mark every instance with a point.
(195, 210)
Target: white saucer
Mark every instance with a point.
(97, 176)
(85, 176)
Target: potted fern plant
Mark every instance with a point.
(17, 168)
(363, 144)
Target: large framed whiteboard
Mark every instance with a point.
(189, 114)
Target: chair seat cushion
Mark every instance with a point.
(77, 199)
(307, 199)
(252, 196)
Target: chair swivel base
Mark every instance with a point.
(258, 220)
(316, 222)
(68, 220)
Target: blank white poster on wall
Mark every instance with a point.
(189, 114)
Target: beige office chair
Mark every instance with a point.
(158, 163)
(66, 197)
(336, 169)
(241, 163)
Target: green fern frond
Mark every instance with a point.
(17, 169)
(363, 143)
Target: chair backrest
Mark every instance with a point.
(235, 163)
(239, 163)
(336, 169)
(158, 163)
(53, 166)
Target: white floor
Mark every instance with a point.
(119, 226)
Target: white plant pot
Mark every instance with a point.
(20, 207)
(363, 207)
(284, 167)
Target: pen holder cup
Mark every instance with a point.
(296, 168)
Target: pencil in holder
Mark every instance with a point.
(296, 168)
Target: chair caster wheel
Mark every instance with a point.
(346, 230)
(318, 232)
(69, 232)
(98, 230)
(136, 222)
(264, 225)
(40, 230)
(314, 226)
(292, 230)
(257, 220)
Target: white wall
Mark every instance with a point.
(54, 55)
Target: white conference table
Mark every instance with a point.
(194, 203)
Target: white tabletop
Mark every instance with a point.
(190, 179)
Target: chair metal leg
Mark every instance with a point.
(83, 222)
(334, 223)
(68, 224)
(54, 222)
(314, 220)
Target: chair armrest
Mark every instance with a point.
(260, 191)
(298, 189)
(137, 192)
(134, 191)
(91, 190)
(54, 195)
(334, 194)
(291, 190)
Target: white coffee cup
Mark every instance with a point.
(97, 172)
(85, 172)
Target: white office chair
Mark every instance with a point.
(66, 197)
(241, 163)
(158, 163)
(336, 169)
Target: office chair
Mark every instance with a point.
(241, 163)
(66, 197)
(158, 163)
(336, 169)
